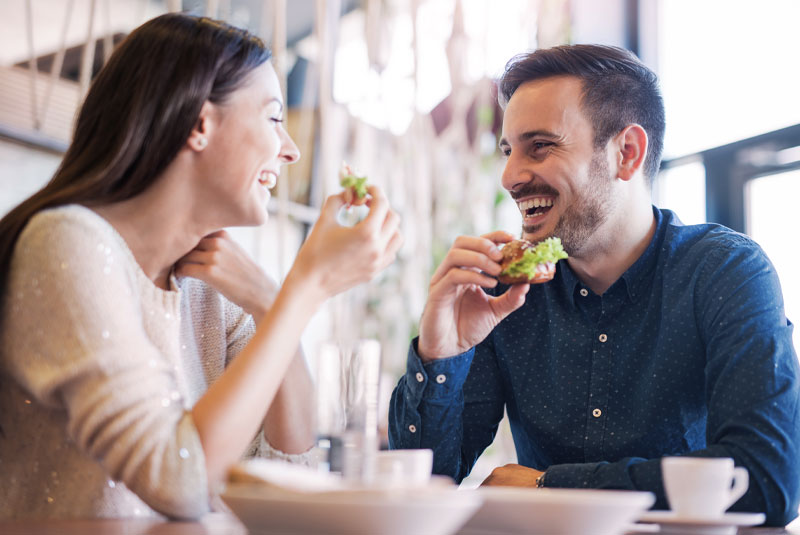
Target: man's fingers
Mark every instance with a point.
(462, 277)
(510, 301)
(498, 236)
(465, 259)
(479, 244)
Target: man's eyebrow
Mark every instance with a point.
(525, 136)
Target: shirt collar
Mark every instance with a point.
(637, 277)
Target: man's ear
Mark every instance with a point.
(631, 149)
(199, 136)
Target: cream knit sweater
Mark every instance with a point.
(99, 369)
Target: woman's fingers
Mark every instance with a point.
(395, 242)
(332, 205)
(378, 208)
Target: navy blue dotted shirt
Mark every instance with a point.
(689, 352)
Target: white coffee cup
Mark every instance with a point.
(404, 468)
(702, 487)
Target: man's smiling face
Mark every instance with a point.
(561, 184)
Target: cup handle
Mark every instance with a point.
(741, 480)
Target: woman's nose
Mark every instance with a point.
(289, 151)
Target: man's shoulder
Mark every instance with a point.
(708, 250)
(704, 241)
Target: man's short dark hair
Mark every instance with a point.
(618, 90)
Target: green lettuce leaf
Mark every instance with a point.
(549, 250)
(358, 183)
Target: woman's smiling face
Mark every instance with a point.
(247, 144)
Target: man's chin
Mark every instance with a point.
(535, 233)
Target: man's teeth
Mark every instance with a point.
(537, 202)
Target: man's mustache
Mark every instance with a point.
(530, 189)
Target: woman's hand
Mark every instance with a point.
(335, 258)
(219, 261)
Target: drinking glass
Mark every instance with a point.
(347, 408)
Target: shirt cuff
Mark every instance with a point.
(571, 476)
(436, 380)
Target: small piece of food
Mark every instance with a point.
(355, 185)
(525, 262)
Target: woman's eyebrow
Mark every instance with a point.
(274, 99)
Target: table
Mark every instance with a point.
(211, 524)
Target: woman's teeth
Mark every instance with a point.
(267, 179)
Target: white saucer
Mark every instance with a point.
(724, 525)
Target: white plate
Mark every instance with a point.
(512, 511)
(432, 510)
(724, 525)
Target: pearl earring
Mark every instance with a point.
(202, 142)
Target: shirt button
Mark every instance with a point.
(602, 337)
(441, 378)
(584, 292)
(597, 413)
(412, 428)
(420, 377)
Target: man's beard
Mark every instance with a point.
(587, 212)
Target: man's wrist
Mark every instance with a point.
(540, 480)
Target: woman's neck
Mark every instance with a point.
(157, 228)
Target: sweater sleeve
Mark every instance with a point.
(76, 340)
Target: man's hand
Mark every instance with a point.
(225, 266)
(512, 475)
(459, 314)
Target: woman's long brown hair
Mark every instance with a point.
(138, 114)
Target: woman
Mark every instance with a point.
(124, 304)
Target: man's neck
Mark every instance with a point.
(615, 248)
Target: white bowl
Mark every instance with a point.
(509, 510)
(433, 510)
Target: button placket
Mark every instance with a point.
(601, 363)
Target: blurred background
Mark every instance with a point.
(404, 91)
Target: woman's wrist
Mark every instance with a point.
(305, 286)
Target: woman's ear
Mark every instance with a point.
(198, 138)
(631, 146)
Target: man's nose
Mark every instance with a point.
(514, 175)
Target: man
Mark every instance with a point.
(653, 339)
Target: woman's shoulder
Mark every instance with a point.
(70, 224)
(70, 235)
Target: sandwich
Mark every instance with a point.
(525, 262)
(355, 186)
